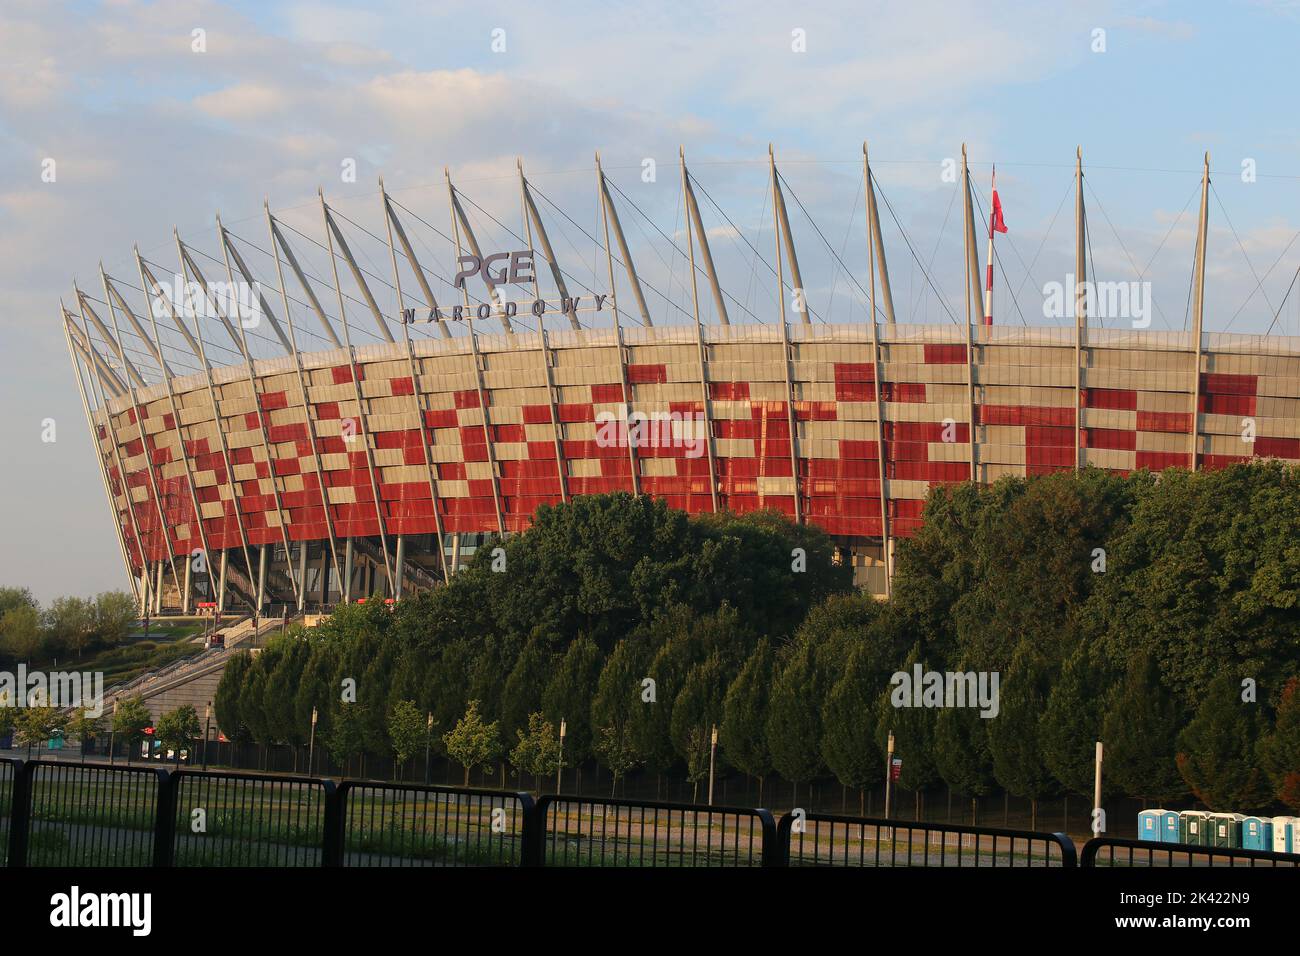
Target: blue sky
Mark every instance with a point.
(148, 134)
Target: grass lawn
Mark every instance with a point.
(167, 642)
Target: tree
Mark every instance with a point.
(1018, 763)
(698, 706)
(538, 749)
(794, 725)
(1216, 751)
(226, 699)
(82, 727)
(177, 728)
(616, 704)
(407, 730)
(528, 679)
(569, 693)
(115, 612)
(71, 620)
(1071, 723)
(472, 742)
(912, 727)
(34, 725)
(130, 718)
(849, 722)
(743, 731)
(20, 632)
(1279, 752)
(345, 737)
(962, 755)
(1140, 731)
(617, 750)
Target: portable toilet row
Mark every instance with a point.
(1226, 830)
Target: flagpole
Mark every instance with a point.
(988, 280)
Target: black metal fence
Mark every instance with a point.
(75, 815)
(815, 839)
(600, 831)
(1107, 852)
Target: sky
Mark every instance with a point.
(148, 125)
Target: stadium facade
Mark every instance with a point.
(323, 475)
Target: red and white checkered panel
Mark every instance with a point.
(355, 449)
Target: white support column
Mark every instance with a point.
(785, 333)
(139, 421)
(308, 417)
(261, 576)
(189, 583)
(618, 332)
(1198, 311)
(1080, 302)
(876, 249)
(699, 329)
(347, 570)
(417, 393)
(400, 567)
(221, 582)
(263, 426)
(99, 448)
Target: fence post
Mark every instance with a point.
(20, 812)
(777, 851)
(1069, 855)
(533, 850)
(164, 833)
(336, 798)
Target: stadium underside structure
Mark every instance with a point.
(317, 476)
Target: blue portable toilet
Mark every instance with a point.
(1225, 830)
(1170, 830)
(1194, 827)
(1256, 833)
(1284, 835)
(1150, 825)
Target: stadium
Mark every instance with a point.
(258, 450)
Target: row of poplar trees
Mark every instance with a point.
(1155, 613)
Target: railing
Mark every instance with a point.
(245, 819)
(96, 815)
(387, 824)
(817, 839)
(595, 831)
(1106, 852)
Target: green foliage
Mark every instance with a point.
(743, 731)
(130, 718)
(1216, 751)
(177, 728)
(849, 718)
(408, 730)
(538, 749)
(35, 725)
(1140, 731)
(913, 729)
(1071, 722)
(226, 699)
(1279, 751)
(568, 696)
(472, 742)
(1018, 763)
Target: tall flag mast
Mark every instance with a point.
(996, 224)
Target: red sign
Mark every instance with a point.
(895, 768)
(149, 731)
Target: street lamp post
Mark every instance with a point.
(311, 745)
(428, 748)
(207, 729)
(559, 767)
(713, 752)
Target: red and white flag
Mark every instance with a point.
(999, 224)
